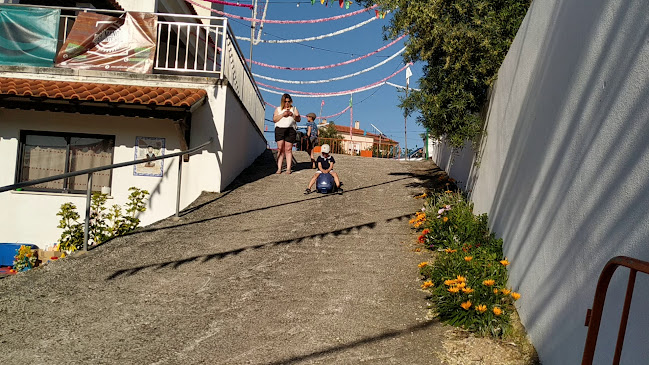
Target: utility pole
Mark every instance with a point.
(405, 114)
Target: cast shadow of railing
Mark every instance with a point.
(202, 259)
(333, 349)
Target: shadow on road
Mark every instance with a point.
(221, 255)
(364, 341)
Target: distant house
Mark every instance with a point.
(84, 113)
(360, 140)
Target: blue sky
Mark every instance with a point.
(377, 106)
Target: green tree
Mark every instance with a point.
(329, 131)
(462, 44)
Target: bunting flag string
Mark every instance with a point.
(323, 36)
(309, 21)
(333, 78)
(327, 66)
(401, 87)
(249, 6)
(306, 94)
(325, 117)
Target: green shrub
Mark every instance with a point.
(104, 224)
(468, 279)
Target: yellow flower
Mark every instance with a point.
(497, 311)
(449, 250)
(460, 279)
(445, 219)
(448, 191)
(453, 289)
(426, 284)
(466, 305)
(495, 291)
(504, 262)
(467, 290)
(422, 264)
(481, 308)
(505, 291)
(468, 258)
(420, 196)
(516, 296)
(489, 282)
(449, 282)
(460, 285)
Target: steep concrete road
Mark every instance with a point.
(259, 274)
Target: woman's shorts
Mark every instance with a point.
(285, 134)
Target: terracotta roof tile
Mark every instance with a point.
(102, 92)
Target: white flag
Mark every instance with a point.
(408, 74)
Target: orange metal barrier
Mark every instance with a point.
(361, 148)
(594, 316)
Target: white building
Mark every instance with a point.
(56, 119)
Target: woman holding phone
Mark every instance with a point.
(285, 118)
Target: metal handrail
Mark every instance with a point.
(90, 171)
(594, 315)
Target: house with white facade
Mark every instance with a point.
(99, 97)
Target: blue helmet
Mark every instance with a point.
(325, 183)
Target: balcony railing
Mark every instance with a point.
(191, 45)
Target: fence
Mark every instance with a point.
(359, 148)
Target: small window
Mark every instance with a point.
(45, 154)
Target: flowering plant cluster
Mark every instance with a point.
(468, 278)
(25, 259)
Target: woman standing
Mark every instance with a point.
(285, 117)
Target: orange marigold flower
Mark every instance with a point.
(481, 308)
(426, 284)
(449, 282)
(468, 258)
(516, 296)
(495, 291)
(505, 291)
(460, 279)
(445, 219)
(425, 231)
(449, 250)
(489, 282)
(421, 239)
(504, 262)
(453, 289)
(497, 311)
(460, 285)
(467, 290)
(418, 249)
(466, 305)
(422, 264)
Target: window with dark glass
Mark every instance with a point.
(45, 154)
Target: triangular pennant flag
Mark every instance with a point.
(351, 98)
(312, 2)
(347, 4)
(341, 3)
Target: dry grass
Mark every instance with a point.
(461, 347)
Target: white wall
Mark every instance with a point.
(564, 170)
(138, 5)
(31, 217)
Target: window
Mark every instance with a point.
(44, 154)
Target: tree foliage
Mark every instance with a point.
(462, 44)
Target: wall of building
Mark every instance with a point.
(31, 217)
(139, 5)
(564, 170)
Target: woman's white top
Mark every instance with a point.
(286, 122)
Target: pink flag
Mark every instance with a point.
(322, 104)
